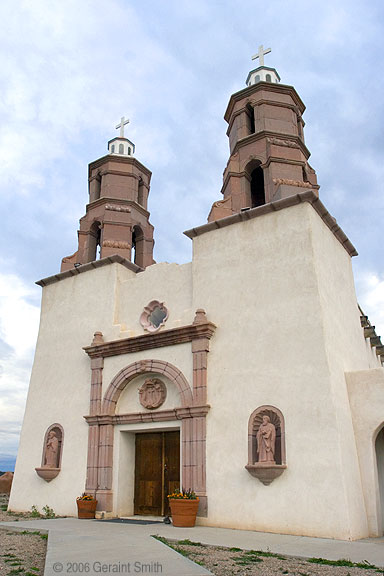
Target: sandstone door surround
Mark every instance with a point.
(192, 412)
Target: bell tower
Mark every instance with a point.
(116, 219)
(268, 157)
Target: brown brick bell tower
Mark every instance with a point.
(268, 157)
(116, 219)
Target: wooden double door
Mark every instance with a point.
(157, 471)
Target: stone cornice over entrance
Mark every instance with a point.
(293, 200)
(158, 416)
(149, 341)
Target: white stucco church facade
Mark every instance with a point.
(249, 375)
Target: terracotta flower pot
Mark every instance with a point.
(86, 508)
(183, 512)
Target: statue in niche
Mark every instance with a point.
(152, 393)
(266, 438)
(51, 450)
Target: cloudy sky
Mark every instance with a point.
(71, 68)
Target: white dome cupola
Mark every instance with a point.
(120, 145)
(262, 73)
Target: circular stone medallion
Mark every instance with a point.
(152, 393)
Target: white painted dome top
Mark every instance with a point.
(262, 73)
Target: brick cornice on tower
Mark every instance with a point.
(109, 204)
(287, 141)
(282, 89)
(118, 159)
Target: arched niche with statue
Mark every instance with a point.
(52, 452)
(266, 444)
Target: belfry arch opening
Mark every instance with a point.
(251, 118)
(256, 184)
(94, 242)
(137, 254)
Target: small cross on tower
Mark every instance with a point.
(261, 53)
(123, 122)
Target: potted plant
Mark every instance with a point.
(86, 506)
(184, 507)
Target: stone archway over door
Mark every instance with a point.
(379, 445)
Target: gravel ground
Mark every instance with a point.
(233, 561)
(22, 553)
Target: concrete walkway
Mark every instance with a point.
(107, 547)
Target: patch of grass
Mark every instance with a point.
(179, 550)
(160, 539)
(265, 554)
(188, 542)
(8, 555)
(16, 571)
(44, 536)
(3, 507)
(249, 557)
(234, 549)
(344, 562)
(35, 568)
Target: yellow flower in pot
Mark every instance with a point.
(86, 506)
(184, 505)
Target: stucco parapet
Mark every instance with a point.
(169, 337)
(115, 259)
(307, 196)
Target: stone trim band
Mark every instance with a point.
(169, 337)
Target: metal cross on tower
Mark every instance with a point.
(123, 122)
(261, 53)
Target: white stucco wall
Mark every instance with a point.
(72, 310)
(261, 282)
(366, 395)
(168, 283)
